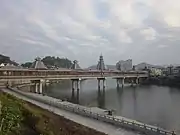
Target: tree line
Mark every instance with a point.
(51, 61)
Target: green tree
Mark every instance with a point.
(6, 59)
(57, 62)
(27, 64)
(10, 116)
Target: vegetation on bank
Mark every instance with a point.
(18, 117)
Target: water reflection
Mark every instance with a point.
(120, 100)
(150, 104)
(75, 96)
(101, 98)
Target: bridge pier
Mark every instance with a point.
(134, 81)
(120, 81)
(123, 82)
(99, 83)
(104, 84)
(38, 86)
(137, 80)
(75, 84)
(41, 87)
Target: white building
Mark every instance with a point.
(124, 65)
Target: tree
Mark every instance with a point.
(50, 61)
(27, 64)
(6, 59)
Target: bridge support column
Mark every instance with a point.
(132, 82)
(36, 88)
(75, 84)
(104, 84)
(41, 87)
(78, 84)
(118, 82)
(137, 80)
(99, 83)
(123, 82)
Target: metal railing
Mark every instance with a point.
(129, 124)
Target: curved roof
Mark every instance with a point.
(38, 64)
(75, 65)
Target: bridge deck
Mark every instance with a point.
(59, 74)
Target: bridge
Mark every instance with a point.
(39, 73)
(38, 76)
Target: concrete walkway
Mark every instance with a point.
(91, 123)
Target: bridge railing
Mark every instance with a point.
(46, 73)
(71, 76)
(129, 124)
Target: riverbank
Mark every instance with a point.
(52, 105)
(33, 120)
(77, 113)
(173, 81)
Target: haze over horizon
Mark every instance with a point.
(145, 31)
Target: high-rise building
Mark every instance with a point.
(124, 65)
(101, 65)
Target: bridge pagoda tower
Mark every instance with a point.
(76, 82)
(38, 64)
(75, 65)
(101, 66)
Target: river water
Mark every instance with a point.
(155, 105)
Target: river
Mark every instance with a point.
(155, 105)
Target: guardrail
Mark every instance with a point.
(133, 125)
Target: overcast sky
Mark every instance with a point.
(144, 30)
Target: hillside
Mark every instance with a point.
(6, 59)
(143, 65)
(51, 61)
(57, 62)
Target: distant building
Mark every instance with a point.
(124, 65)
(171, 71)
(101, 65)
(9, 66)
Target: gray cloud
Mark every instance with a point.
(82, 29)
